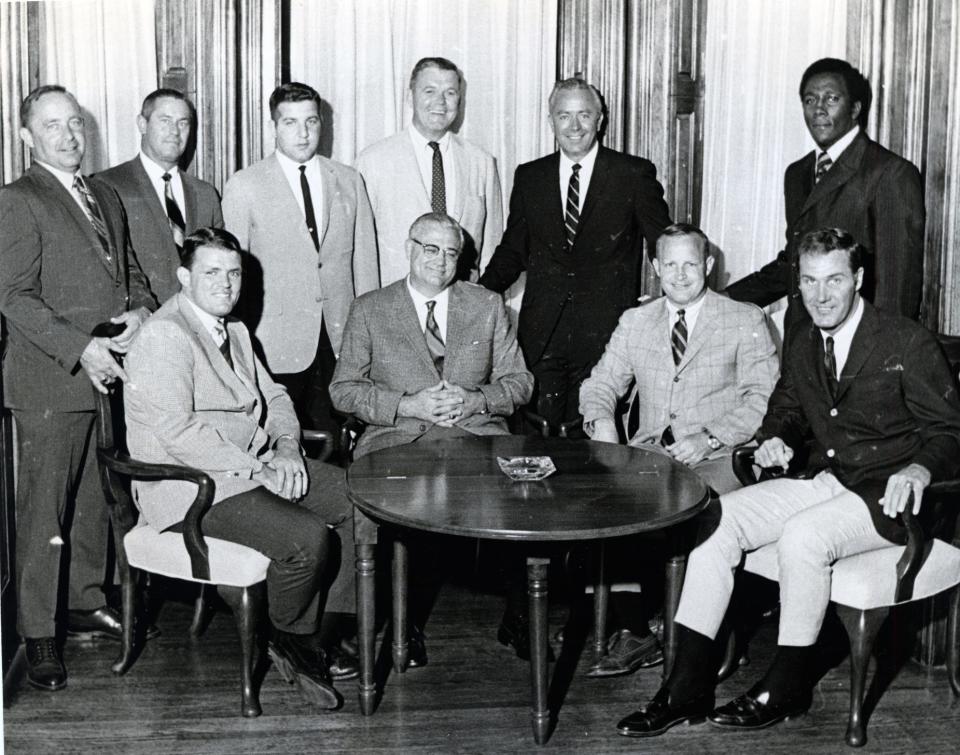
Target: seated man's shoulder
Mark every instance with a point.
(741, 310)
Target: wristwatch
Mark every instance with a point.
(713, 442)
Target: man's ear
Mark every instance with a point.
(183, 275)
(408, 247)
(858, 278)
(656, 266)
(142, 125)
(26, 137)
(709, 263)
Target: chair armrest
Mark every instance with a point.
(537, 420)
(742, 461)
(319, 436)
(192, 534)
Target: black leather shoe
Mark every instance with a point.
(341, 664)
(416, 648)
(101, 623)
(45, 669)
(300, 662)
(754, 711)
(515, 632)
(626, 652)
(661, 713)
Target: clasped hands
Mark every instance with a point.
(285, 474)
(687, 450)
(98, 359)
(444, 404)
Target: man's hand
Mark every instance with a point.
(691, 448)
(98, 362)
(913, 478)
(605, 431)
(132, 320)
(431, 404)
(470, 403)
(773, 453)
(291, 472)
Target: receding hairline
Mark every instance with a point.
(574, 84)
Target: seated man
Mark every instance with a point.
(198, 396)
(874, 394)
(703, 366)
(426, 359)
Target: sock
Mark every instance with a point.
(694, 670)
(790, 674)
(627, 612)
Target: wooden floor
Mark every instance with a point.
(183, 696)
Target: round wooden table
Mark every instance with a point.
(456, 487)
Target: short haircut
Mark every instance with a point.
(218, 238)
(684, 230)
(442, 63)
(293, 91)
(857, 85)
(436, 218)
(574, 84)
(150, 101)
(826, 240)
(27, 105)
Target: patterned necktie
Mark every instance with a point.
(308, 208)
(823, 165)
(438, 189)
(678, 338)
(830, 365)
(224, 342)
(432, 335)
(572, 213)
(91, 208)
(174, 216)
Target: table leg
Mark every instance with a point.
(537, 593)
(400, 641)
(365, 538)
(601, 599)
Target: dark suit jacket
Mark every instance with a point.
(150, 234)
(873, 194)
(600, 274)
(896, 404)
(55, 286)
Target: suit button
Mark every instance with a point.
(673, 415)
(423, 428)
(834, 412)
(831, 453)
(571, 275)
(676, 379)
(319, 298)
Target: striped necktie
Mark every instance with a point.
(438, 189)
(572, 213)
(435, 343)
(174, 217)
(678, 338)
(91, 208)
(823, 165)
(223, 338)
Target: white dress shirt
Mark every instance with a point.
(291, 171)
(439, 311)
(586, 171)
(837, 148)
(424, 154)
(843, 338)
(155, 174)
(690, 314)
(211, 323)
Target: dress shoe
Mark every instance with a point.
(515, 632)
(626, 653)
(300, 662)
(755, 711)
(45, 669)
(416, 647)
(100, 623)
(341, 664)
(661, 713)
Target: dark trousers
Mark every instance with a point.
(560, 371)
(60, 511)
(311, 566)
(310, 390)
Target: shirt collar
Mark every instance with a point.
(291, 167)
(837, 148)
(62, 176)
(420, 142)
(421, 301)
(154, 171)
(690, 311)
(586, 163)
(210, 322)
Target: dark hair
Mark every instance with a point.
(684, 230)
(826, 240)
(436, 218)
(857, 85)
(149, 102)
(574, 84)
(27, 105)
(218, 238)
(442, 63)
(293, 91)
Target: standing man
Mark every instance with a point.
(307, 221)
(65, 268)
(874, 394)
(428, 168)
(163, 203)
(577, 223)
(848, 182)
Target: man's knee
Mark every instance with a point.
(801, 538)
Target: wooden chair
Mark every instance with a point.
(237, 571)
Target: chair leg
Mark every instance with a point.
(129, 578)
(953, 640)
(201, 612)
(862, 628)
(245, 602)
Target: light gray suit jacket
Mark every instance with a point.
(185, 405)
(398, 196)
(150, 234)
(385, 357)
(300, 286)
(722, 383)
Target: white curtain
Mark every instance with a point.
(105, 52)
(753, 124)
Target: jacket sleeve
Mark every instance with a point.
(785, 418)
(366, 263)
(510, 257)
(493, 222)
(236, 212)
(511, 384)
(610, 377)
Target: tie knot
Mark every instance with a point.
(430, 306)
(434, 146)
(166, 177)
(681, 313)
(78, 183)
(302, 169)
(829, 344)
(576, 168)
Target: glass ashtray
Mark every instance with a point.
(526, 468)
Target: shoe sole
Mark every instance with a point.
(597, 673)
(46, 687)
(323, 697)
(689, 720)
(766, 724)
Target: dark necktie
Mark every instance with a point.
(434, 341)
(308, 208)
(224, 337)
(823, 165)
(678, 338)
(438, 189)
(830, 365)
(174, 217)
(572, 213)
(91, 208)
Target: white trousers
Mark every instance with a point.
(814, 523)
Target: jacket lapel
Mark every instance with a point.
(702, 331)
(329, 181)
(841, 172)
(597, 182)
(145, 189)
(550, 182)
(228, 376)
(405, 313)
(456, 326)
(191, 211)
(279, 194)
(864, 342)
(461, 171)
